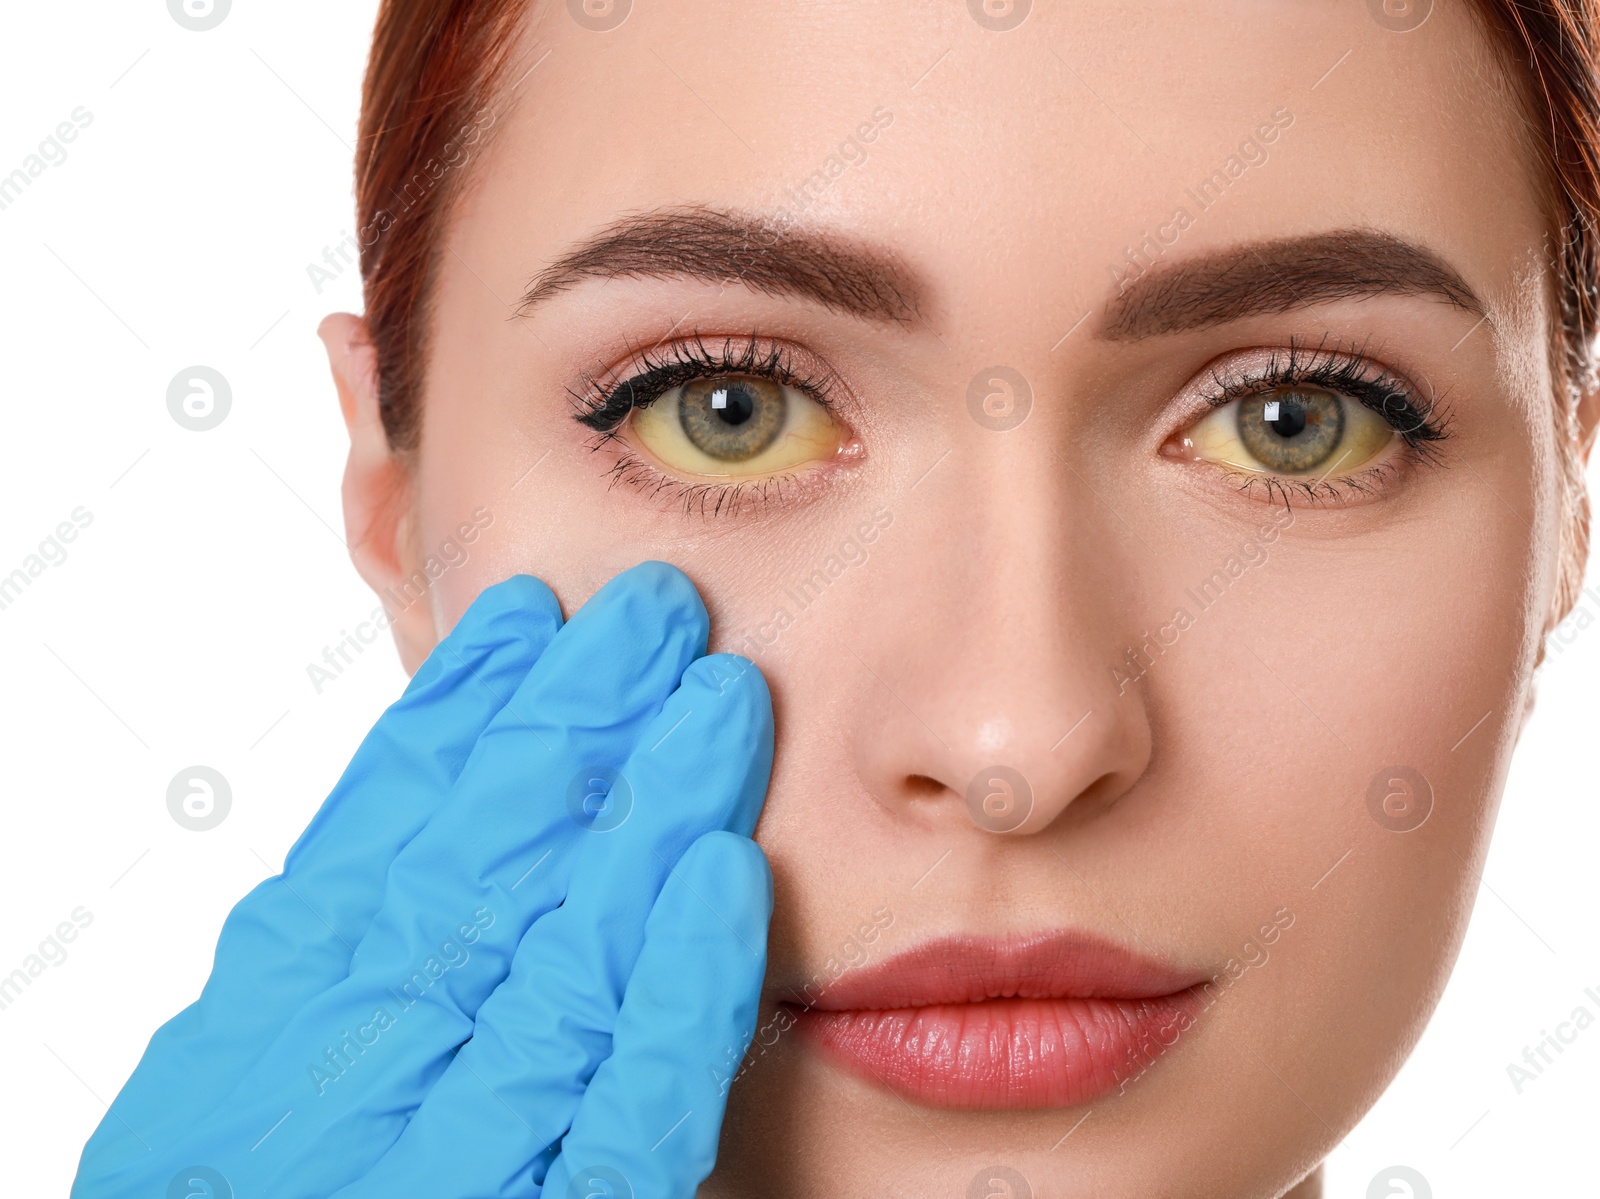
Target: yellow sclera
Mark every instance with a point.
(735, 426)
(1313, 434)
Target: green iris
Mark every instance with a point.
(1306, 429)
(732, 419)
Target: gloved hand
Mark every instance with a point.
(514, 948)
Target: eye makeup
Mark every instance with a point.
(603, 406)
(1313, 423)
(746, 420)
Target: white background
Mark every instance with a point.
(178, 630)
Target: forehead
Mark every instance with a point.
(1026, 160)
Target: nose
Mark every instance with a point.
(993, 701)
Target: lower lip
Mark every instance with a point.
(1002, 1054)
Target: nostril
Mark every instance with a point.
(920, 786)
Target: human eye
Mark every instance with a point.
(717, 424)
(1323, 425)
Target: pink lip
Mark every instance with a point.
(1052, 1020)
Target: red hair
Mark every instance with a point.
(427, 106)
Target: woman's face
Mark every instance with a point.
(1095, 675)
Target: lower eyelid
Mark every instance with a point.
(636, 467)
(1336, 492)
(705, 498)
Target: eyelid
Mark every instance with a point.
(1350, 371)
(1418, 415)
(601, 401)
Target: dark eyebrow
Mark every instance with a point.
(714, 246)
(1262, 278)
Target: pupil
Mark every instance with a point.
(737, 408)
(1291, 419)
(732, 420)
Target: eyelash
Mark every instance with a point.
(604, 407)
(1355, 377)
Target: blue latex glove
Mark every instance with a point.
(471, 979)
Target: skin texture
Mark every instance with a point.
(1018, 567)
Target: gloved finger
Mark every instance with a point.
(356, 1060)
(649, 1122)
(512, 1089)
(293, 935)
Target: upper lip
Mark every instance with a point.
(1063, 964)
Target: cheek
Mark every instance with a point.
(542, 520)
(1345, 728)
(560, 523)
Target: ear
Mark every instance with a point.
(377, 491)
(1581, 429)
